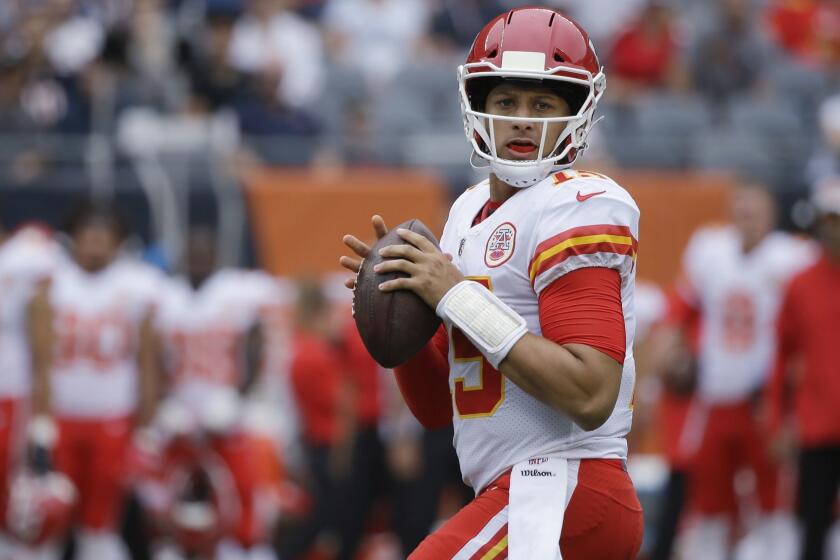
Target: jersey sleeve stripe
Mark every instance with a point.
(581, 245)
(595, 229)
(578, 250)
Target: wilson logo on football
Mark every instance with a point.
(500, 245)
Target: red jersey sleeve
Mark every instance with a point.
(424, 382)
(584, 307)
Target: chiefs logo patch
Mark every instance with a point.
(500, 245)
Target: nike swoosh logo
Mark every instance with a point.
(585, 197)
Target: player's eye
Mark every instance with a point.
(505, 102)
(543, 106)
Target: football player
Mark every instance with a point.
(733, 278)
(210, 327)
(27, 261)
(534, 282)
(94, 364)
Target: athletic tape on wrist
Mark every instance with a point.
(487, 321)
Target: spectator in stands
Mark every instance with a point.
(804, 391)
(644, 56)
(603, 19)
(152, 49)
(374, 37)
(461, 21)
(274, 44)
(206, 56)
(730, 58)
(807, 29)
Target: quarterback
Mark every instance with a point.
(534, 282)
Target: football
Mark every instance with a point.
(393, 325)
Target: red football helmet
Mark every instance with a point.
(536, 45)
(195, 502)
(40, 507)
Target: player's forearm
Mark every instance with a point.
(574, 379)
(149, 373)
(41, 338)
(424, 384)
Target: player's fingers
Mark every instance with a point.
(417, 240)
(350, 283)
(408, 252)
(379, 226)
(449, 257)
(356, 245)
(351, 264)
(395, 265)
(396, 284)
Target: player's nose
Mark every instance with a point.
(523, 113)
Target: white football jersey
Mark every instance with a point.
(97, 319)
(568, 221)
(738, 295)
(651, 307)
(203, 330)
(27, 258)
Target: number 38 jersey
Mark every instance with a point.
(568, 221)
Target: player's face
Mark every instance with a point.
(95, 246)
(753, 212)
(520, 140)
(828, 231)
(201, 256)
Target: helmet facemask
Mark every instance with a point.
(579, 87)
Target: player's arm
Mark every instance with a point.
(423, 380)
(424, 383)
(41, 334)
(148, 363)
(42, 431)
(577, 379)
(575, 366)
(253, 359)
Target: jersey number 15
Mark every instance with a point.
(485, 398)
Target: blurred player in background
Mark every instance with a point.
(28, 259)
(326, 416)
(664, 390)
(733, 278)
(95, 370)
(674, 362)
(210, 326)
(805, 380)
(534, 281)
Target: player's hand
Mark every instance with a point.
(405, 457)
(783, 445)
(362, 249)
(430, 272)
(41, 437)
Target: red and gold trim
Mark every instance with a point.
(584, 240)
(496, 547)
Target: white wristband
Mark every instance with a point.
(487, 321)
(42, 431)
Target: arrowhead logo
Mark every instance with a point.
(585, 197)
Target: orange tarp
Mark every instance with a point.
(299, 215)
